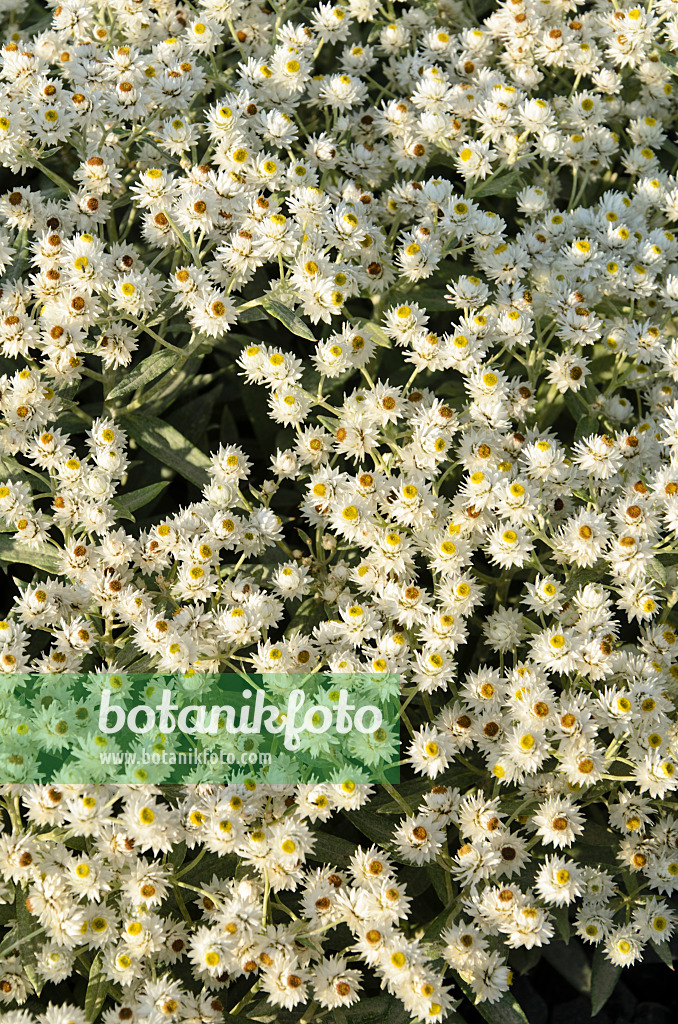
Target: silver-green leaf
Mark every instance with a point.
(40, 558)
(291, 320)
(147, 370)
(168, 446)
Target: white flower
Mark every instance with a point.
(558, 822)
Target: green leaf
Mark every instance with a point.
(669, 60)
(40, 558)
(213, 863)
(329, 849)
(237, 1018)
(29, 938)
(438, 880)
(576, 405)
(256, 404)
(663, 951)
(412, 791)
(376, 333)
(193, 418)
(16, 471)
(147, 370)
(137, 499)
(183, 378)
(505, 1011)
(523, 960)
(250, 314)
(439, 923)
(508, 184)
(561, 919)
(571, 962)
(167, 445)
(291, 320)
(657, 572)
(383, 1009)
(177, 856)
(376, 827)
(579, 578)
(433, 299)
(604, 977)
(451, 389)
(6, 914)
(598, 835)
(585, 426)
(308, 614)
(97, 990)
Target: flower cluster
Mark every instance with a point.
(411, 279)
(112, 901)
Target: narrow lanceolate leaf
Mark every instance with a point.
(252, 313)
(376, 828)
(382, 1009)
(137, 499)
(41, 558)
(571, 962)
(291, 321)
(237, 1018)
(663, 951)
(376, 333)
(331, 849)
(97, 990)
(562, 922)
(168, 446)
(29, 937)
(505, 1011)
(6, 911)
(506, 184)
(604, 977)
(585, 426)
(669, 60)
(147, 370)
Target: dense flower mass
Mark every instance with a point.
(431, 251)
